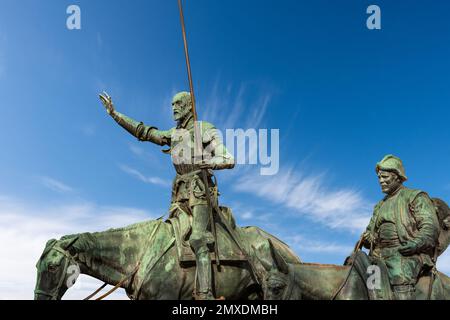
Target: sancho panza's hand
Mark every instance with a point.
(368, 239)
(107, 102)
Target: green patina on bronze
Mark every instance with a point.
(150, 247)
(189, 192)
(174, 259)
(160, 260)
(405, 236)
(313, 281)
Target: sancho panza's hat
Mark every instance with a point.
(393, 164)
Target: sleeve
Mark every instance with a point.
(141, 131)
(215, 152)
(427, 223)
(160, 137)
(368, 235)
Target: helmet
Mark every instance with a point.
(393, 164)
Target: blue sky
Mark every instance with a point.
(342, 96)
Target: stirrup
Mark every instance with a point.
(204, 296)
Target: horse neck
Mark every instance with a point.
(318, 281)
(113, 254)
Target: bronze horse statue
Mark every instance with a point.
(142, 259)
(313, 281)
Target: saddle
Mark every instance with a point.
(373, 273)
(228, 250)
(382, 291)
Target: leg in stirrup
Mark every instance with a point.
(199, 240)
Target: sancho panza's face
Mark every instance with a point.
(181, 106)
(389, 181)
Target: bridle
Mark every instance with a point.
(54, 293)
(290, 285)
(287, 292)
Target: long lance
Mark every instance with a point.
(198, 148)
(197, 137)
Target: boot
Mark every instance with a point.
(405, 292)
(204, 275)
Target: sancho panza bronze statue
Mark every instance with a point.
(404, 229)
(189, 191)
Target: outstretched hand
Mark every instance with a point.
(107, 102)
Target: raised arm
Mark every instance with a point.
(137, 129)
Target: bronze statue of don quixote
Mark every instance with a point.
(200, 253)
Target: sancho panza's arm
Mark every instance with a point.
(137, 129)
(369, 234)
(216, 154)
(427, 223)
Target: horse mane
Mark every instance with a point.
(111, 230)
(111, 239)
(323, 265)
(111, 254)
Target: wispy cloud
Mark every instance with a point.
(28, 227)
(235, 107)
(56, 185)
(88, 130)
(136, 150)
(247, 215)
(308, 195)
(250, 213)
(302, 244)
(151, 180)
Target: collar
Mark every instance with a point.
(401, 187)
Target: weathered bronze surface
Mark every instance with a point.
(407, 233)
(156, 259)
(149, 252)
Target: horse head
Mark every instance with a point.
(57, 270)
(279, 280)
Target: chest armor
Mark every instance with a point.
(182, 152)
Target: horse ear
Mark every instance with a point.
(70, 243)
(279, 261)
(50, 243)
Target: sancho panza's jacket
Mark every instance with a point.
(415, 220)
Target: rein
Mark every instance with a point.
(122, 281)
(117, 286)
(288, 292)
(357, 247)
